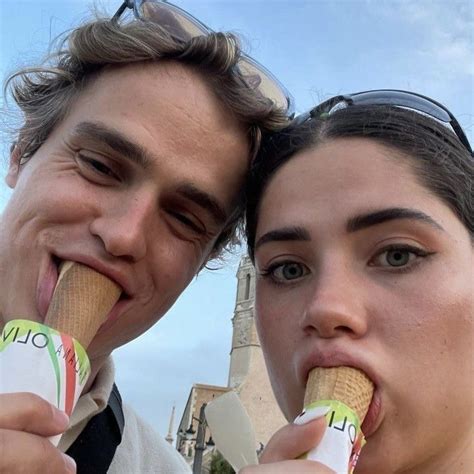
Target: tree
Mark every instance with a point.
(219, 465)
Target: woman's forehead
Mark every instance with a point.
(340, 179)
(339, 166)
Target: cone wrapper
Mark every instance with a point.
(47, 361)
(343, 395)
(36, 358)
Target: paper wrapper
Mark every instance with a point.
(50, 360)
(343, 394)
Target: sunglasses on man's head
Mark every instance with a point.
(183, 27)
(394, 97)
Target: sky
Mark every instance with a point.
(317, 48)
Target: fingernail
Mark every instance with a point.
(311, 414)
(61, 417)
(69, 462)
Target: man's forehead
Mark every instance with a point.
(174, 91)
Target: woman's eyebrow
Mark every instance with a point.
(283, 234)
(115, 140)
(378, 217)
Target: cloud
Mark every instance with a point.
(450, 27)
(153, 376)
(446, 32)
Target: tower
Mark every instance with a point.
(169, 436)
(247, 371)
(244, 335)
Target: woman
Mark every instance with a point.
(361, 226)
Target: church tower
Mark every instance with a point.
(247, 371)
(244, 336)
(247, 374)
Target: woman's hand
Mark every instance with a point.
(26, 420)
(286, 445)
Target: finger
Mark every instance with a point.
(22, 452)
(287, 467)
(291, 441)
(30, 413)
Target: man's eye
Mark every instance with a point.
(100, 167)
(94, 165)
(189, 222)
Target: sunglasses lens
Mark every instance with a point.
(402, 99)
(174, 20)
(259, 79)
(183, 26)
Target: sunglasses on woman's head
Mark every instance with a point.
(394, 97)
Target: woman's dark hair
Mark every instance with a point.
(440, 161)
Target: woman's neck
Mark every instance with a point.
(456, 457)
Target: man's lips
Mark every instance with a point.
(118, 309)
(48, 282)
(121, 278)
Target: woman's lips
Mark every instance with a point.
(46, 287)
(371, 420)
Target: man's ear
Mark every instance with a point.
(14, 166)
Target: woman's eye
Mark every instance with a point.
(397, 257)
(286, 271)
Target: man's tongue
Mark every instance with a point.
(46, 289)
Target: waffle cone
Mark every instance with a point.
(345, 384)
(81, 302)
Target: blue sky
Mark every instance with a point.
(317, 49)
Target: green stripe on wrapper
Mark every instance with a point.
(36, 358)
(343, 439)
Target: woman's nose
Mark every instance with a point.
(335, 306)
(124, 225)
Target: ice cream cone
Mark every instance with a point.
(81, 301)
(345, 384)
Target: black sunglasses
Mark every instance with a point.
(183, 27)
(398, 98)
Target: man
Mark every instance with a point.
(130, 160)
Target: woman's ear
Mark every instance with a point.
(14, 166)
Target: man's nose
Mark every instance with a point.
(336, 306)
(124, 225)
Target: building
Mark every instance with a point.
(247, 375)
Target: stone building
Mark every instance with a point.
(247, 374)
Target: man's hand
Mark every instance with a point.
(286, 445)
(26, 420)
